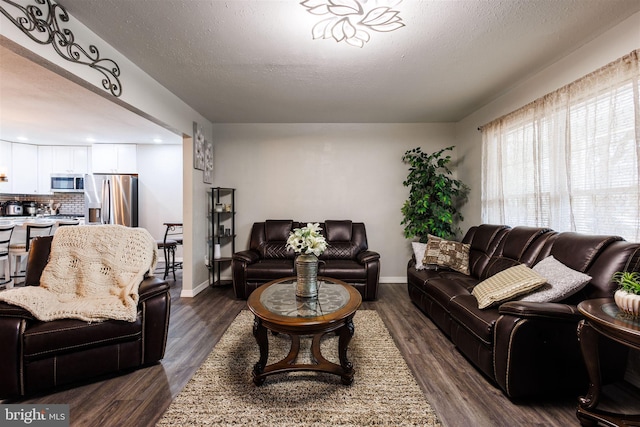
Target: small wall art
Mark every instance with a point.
(208, 162)
(198, 147)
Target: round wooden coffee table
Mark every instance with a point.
(276, 308)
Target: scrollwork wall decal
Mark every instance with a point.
(42, 24)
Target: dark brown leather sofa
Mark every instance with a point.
(526, 348)
(37, 356)
(347, 257)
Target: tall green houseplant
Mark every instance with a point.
(434, 197)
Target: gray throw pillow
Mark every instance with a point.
(562, 281)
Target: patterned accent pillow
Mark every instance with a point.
(454, 255)
(432, 251)
(507, 285)
(562, 281)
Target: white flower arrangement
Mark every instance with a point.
(307, 240)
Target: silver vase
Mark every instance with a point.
(307, 276)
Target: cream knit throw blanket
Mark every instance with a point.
(93, 274)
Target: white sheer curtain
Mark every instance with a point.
(569, 160)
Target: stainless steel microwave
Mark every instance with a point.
(67, 183)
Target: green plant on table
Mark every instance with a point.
(628, 281)
(434, 196)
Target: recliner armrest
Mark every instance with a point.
(367, 256)
(545, 310)
(249, 256)
(150, 287)
(10, 310)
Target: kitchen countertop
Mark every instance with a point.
(23, 221)
(58, 216)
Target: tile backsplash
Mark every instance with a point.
(70, 203)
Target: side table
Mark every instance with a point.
(603, 318)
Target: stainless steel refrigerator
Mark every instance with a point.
(111, 199)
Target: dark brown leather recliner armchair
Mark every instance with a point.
(36, 356)
(347, 257)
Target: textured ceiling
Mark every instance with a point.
(255, 61)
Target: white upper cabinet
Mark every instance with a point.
(114, 158)
(5, 166)
(24, 174)
(70, 159)
(45, 168)
(29, 167)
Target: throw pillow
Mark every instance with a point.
(562, 281)
(432, 251)
(507, 285)
(418, 252)
(454, 255)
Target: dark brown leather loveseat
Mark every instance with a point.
(36, 356)
(526, 348)
(347, 257)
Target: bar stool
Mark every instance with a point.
(172, 238)
(5, 239)
(20, 250)
(66, 222)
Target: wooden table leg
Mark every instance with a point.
(346, 333)
(260, 334)
(589, 338)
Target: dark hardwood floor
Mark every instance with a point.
(460, 394)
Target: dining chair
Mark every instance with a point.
(19, 251)
(172, 239)
(6, 230)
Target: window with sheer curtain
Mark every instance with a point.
(569, 160)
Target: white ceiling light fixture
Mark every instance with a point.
(351, 21)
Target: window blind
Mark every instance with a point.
(569, 160)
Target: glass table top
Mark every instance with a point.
(612, 310)
(280, 298)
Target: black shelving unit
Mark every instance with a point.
(222, 231)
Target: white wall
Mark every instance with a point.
(314, 172)
(160, 187)
(612, 45)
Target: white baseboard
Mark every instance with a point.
(195, 291)
(390, 279)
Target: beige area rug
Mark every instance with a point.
(222, 393)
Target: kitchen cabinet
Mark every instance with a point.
(45, 168)
(5, 166)
(114, 158)
(29, 167)
(70, 159)
(24, 174)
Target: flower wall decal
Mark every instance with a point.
(352, 20)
